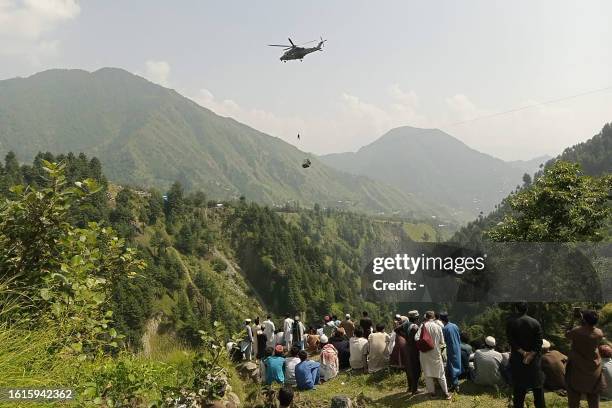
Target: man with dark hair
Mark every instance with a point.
(378, 349)
(285, 397)
(290, 363)
(466, 352)
(413, 368)
(366, 324)
(357, 350)
(584, 370)
(274, 366)
(452, 338)
(524, 334)
(306, 372)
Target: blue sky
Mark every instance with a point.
(386, 64)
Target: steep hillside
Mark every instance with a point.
(151, 136)
(434, 165)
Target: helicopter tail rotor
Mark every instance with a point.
(320, 46)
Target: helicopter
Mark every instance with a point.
(294, 52)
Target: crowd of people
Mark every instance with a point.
(434, 348)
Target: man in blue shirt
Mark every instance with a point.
(306, 372)
(275, 366)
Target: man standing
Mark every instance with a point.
(298, 332)
(584, 370)
(269, 331)
(366, 324)
(348, 326)
(524, 334)
(329, 327)
(287, 329)
(488, 364)
(247, 343)
(413, 368)
(431, 360)
(452, 338)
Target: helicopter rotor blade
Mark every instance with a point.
(309, 42)
(279, 45)
(292, 44)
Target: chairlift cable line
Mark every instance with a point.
(548, 102)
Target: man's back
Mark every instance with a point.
(274, 369)
(349, 327)
(525, 333)
(304, 374)
(366, 324)
(553, 366)
(487, 367)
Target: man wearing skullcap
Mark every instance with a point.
(553, 367)
(488, 364)
(348, 326)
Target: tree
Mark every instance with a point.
(60, 274)
(175, 203)
(563, 205)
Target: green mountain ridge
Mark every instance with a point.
(435, 166)
(148, 135)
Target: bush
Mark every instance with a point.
(218, 264)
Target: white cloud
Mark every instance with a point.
(26, 24)
(351, 122)
(157, 72)
(348, 124)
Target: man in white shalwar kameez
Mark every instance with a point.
(269, 332)
(431, 361)
(287, 326)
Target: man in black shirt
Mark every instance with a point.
(525, 337)
(366, 325)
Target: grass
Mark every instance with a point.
(388, 389)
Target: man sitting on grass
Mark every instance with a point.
(274, 366)
(306, 372)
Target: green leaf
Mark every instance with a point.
(45, 293)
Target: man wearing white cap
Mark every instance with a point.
(488, 364)
(348, 325)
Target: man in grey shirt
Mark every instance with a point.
(488, 364)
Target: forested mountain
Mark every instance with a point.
(434, 165)
(207, 261)
(594, 155)
(148, 135)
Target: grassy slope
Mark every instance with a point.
(389, 391)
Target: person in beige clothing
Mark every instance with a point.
(378, 349)
(584, 372)
(348, 326)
